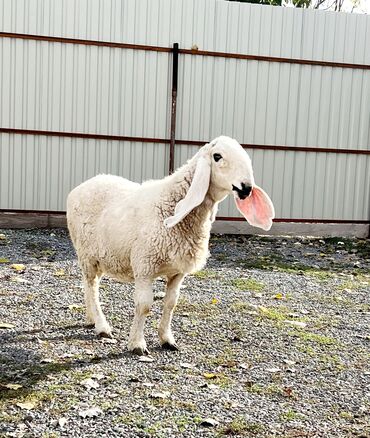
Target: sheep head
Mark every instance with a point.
(224, 167)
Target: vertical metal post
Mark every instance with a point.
(175, 64)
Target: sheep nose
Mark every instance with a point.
(244, 192)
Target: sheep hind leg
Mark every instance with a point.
(143, 299)
(166, 337)
(94, 314)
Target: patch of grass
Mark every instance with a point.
(248, 284)
(220, 257)
(290, 415)
(314, 338)
(352, 284)
(132, 419)
(240, 426)
(346, 415)
(270, 389)
(10, 418)
(277, 263)
(204, 274)
(199, 309)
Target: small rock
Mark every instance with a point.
(147, 359)
(273, 370)
(209, 422)
(159, 295)
(62, 422)
(108, 341)
(186, 365)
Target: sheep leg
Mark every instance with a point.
(94, 313)
(166, 337)
(143, 299)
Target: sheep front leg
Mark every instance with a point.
(94, 313)
(143, 299)
(166, 337)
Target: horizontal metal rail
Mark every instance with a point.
(179, 142)
(151, 48)
(219, 218)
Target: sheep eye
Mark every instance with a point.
(217, 157)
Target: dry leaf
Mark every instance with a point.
(91, 412)
(89, 384)
(19, 280)
(18, 267)
(108, 341)
(60, 273)
(298, 324)
(278, 296)
(98, 376)
(214, 301)
(76, 307)
(273, 370)
(2, 237)
(5, 325)
(4, 260)
(13, 386)
(186, 365)
(162, 395)
(209, 375)
(26, 405)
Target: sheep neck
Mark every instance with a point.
(181, 181)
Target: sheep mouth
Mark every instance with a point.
(244, 192)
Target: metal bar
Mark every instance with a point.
(83, 135)
(184, 51)
(219, 218)
(175, 73)
(179, 142)
(52, 39)
(303, 220)
(274, 59)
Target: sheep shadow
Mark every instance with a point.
(26, 367)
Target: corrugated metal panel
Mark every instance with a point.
(37, 172)
(62, 87)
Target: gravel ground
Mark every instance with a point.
(274, 337)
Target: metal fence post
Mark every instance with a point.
(175, 64)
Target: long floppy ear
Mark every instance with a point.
(257, 208)
(196, 193)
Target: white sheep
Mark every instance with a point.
(138, 232)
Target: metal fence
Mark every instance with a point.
(86, 87)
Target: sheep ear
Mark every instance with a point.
(257, 208)
(196, 193)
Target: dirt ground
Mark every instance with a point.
(274, 338)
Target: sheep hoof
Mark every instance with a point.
(105, 335)
(140, 351)
(171, 347)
